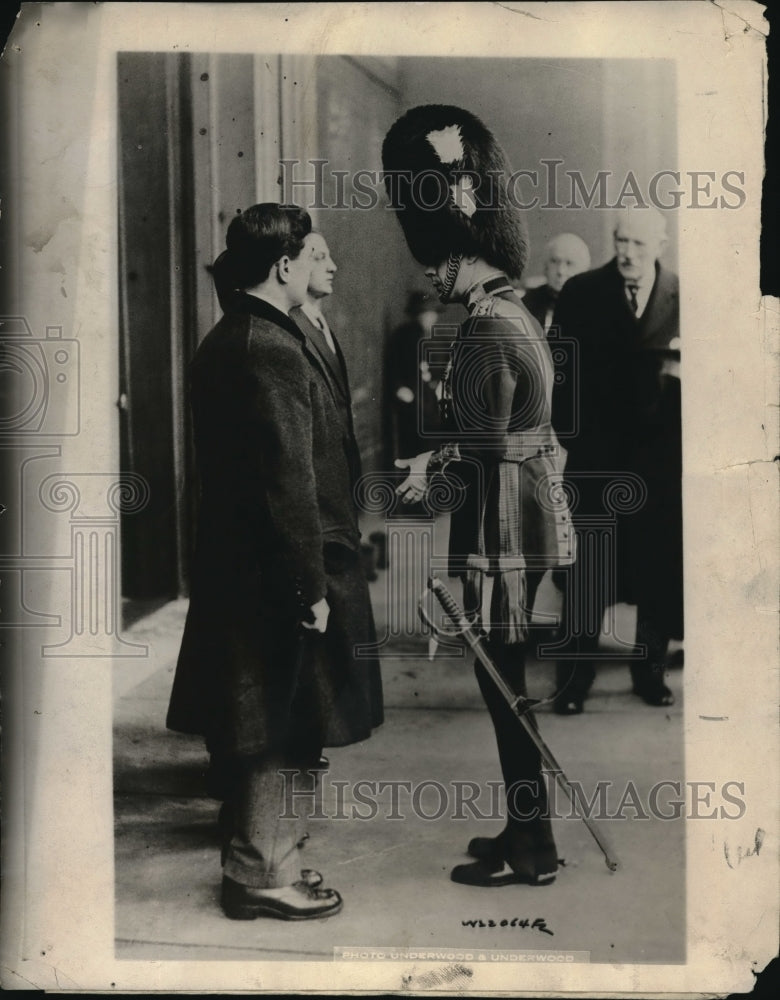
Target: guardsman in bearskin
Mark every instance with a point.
(446, 178)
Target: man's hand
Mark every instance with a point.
(319, 612)
(669, 366)
(415, 485)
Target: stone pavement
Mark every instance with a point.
(394, 872)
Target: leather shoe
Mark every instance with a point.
(572, 705)
(484, 874)
(303, 902)
(657, 694)
(485, 848)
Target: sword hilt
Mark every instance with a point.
(446, 599)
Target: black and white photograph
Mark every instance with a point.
(390, 566)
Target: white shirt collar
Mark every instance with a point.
(320, 322)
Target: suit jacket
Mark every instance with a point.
(277, 532)
(609, 387)
(616, 409)
(538, 301)
(333, 368)
(410, 424)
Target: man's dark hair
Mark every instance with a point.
(256, 239)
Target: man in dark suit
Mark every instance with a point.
(411, 382)
(323, 343)
(266, 671)
(311, 321)
(564, 256)
(621, 428)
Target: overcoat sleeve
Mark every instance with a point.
(281, 414)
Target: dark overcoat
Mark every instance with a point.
(616, 409)
(277, 532)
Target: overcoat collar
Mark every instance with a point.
(263, 309)
(244, 303)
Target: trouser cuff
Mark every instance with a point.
(256, 877)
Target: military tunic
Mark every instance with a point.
(503, 456)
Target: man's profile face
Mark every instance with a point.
(638, 244)
(322, 266)
(297, 275)
(566, 257)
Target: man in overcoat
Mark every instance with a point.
(512, 523)
(622, 431)
(266, 671)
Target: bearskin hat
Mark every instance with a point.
(446, 178)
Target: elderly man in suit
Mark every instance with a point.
(624, 319)
(266, 671)
(564, 256)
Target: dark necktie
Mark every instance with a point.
(632, 289)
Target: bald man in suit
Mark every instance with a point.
(564, 256)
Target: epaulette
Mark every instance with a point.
(486, 306)
(495, 307)
(506, 309)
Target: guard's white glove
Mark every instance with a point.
(415, 486)
(319, 612)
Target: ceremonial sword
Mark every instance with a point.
(518, 703)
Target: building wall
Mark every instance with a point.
(356, 107)
(201, 137)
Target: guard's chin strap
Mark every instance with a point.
(451, 275)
